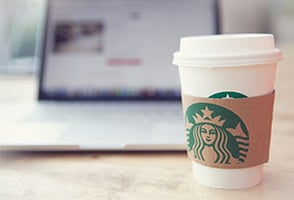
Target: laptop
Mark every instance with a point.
(106, 80)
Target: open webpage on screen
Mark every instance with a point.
(119, 45)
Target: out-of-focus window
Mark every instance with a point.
(20, 33)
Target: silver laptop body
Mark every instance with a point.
(106, 79)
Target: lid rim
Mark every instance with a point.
(228, 60)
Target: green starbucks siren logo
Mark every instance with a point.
(215, 129)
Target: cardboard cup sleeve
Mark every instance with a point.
(228, 133)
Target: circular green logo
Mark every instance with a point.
(218, 129)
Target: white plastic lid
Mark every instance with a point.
(227, 50)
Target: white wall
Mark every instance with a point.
(245, 16)
(273, 16)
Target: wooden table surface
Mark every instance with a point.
(115, 175)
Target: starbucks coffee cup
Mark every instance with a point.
(227, 84)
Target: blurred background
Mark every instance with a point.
(21, 22)
(20, 31)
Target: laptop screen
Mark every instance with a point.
(118, 49)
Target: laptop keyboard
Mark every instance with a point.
(125, 111)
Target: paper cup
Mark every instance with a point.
(242, 64)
